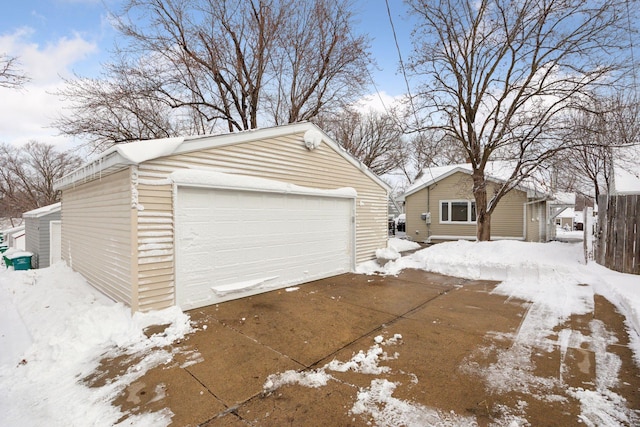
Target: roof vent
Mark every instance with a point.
(312, 139)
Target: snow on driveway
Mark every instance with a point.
(55, 329)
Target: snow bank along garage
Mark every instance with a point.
(198, 220)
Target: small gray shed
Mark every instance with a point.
(43, 237)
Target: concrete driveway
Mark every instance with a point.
(451, 331)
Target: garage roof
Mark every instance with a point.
(121, 156)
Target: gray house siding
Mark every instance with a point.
(38, 238)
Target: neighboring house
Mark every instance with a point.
(440, 206)
(566, 219)
(626, 180)
(15, 237)
(199, 220)
(42, 227)
(562, 211)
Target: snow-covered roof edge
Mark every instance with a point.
(36, 213)
(12, 230)
(203, 178)
(564, 198)
(432, 175)
(123, 155)
(625, 181)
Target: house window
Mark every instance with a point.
(460, 211)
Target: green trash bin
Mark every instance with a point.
(22, 262)
(7, 261)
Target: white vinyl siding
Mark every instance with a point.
(283, 159)
(119, 225)
(97, 234)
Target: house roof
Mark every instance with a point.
(498, 171)
(121, 156)
(626, 180)
(13, 230)
(567, 213)
(564, 198)
(37, 213)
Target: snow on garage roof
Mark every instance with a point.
(122, 155)
(36, 213)
(242, 182)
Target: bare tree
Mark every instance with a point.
(319, 65)
(499, 76)
(373, 138)
(197, 65)
(599, 136)
(121, 107)
(428, 148)
(10, 75)
(27, 175)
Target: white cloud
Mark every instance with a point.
(26, 114)
(380, 102)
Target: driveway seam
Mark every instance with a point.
(382, 326)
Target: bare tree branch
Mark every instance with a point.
(27, 175)
(197, 65)
(374, 139)
(10, 75)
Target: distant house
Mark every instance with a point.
(42, 228)
(566, 219)
(198, 220)
(562, 210)
(440, 206)
(14, 237)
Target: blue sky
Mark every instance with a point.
(56, 38)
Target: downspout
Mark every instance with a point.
(429, 210)
(135, 290)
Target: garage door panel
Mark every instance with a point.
(257, 241)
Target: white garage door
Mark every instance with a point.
(230, 243)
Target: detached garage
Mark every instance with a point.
(200, 220)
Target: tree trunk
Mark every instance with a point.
(483, 218)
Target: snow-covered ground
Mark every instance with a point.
(54, 329)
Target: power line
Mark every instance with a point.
(406, 80)
(402, 67)
(633, 62)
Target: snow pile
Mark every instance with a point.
(367, 363)
(402, 245)
(54, 331)
(393, 249)
(548, 272)
(554, 278)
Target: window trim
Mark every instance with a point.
(470, 204)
